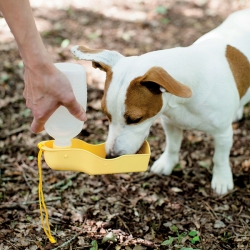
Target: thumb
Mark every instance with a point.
(76, 109)
(37, 126)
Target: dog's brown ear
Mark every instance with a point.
(102, 59)
(101, 66)
(159, 76)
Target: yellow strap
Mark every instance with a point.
(43, 208)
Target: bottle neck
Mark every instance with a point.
(62, 143)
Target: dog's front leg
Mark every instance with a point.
(170, 157)
(222, 180)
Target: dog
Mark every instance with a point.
(203, 86)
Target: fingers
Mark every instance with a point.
(41, 116)
(38, 122)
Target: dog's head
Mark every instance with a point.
(133, 96)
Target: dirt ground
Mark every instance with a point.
(123, 211)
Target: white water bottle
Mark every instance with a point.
(62, 125)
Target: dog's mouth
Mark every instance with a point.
(111, 155)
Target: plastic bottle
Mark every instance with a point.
(62, 125)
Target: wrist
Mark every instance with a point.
(34, 53)
(40, 68)
(36, 59)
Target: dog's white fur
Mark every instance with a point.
(214, 104)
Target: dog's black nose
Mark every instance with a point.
(110, 156)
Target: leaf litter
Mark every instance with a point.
(123, 211)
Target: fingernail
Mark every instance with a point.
(32, 131)
(36, 128)
(83, 117)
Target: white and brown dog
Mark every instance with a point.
(203, 87)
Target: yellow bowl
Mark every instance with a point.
(90, 159)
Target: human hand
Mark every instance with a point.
(46, 88)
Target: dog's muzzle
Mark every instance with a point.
(112, 154)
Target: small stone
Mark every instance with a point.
(219, 224)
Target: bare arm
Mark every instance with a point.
(46, 88)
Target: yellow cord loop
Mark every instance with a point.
(43, 208)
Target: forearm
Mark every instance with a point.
(46, 88)
(18, 15)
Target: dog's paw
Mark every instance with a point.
(161, 167)
(222, 183)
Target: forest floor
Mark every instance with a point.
(120, 211)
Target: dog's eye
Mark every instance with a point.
(130, 120)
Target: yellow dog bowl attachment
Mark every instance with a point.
(90, 159)
(84, 157)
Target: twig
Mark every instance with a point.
(6, 165)
(210, 210)
(67, 242)
(241, 208)
(108, 246)
(26, 180)
(239, 235)
(243, 222)
(195, 211)
(245, 216)
(39, 245)
(17, 130)
(10, 178)
(124, 224)
(230, 192)
(60, 183)
(17, 204)
(11, 244)
(24, 165)
(4, 102)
